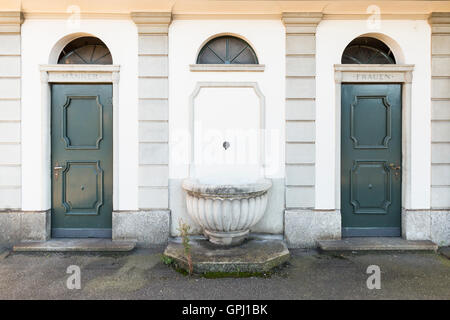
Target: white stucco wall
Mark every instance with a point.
(39, 36)
(267, 37)
(410, 42)
(185, 40)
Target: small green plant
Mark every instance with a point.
(184, 232)
(167, 260)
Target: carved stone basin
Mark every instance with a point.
(226, 212)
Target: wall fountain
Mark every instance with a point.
(227, 191)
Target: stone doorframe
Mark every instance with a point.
(77, 74)
(378, 73)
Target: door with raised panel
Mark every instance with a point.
(371, 148)
(82, 165)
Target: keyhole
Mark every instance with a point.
(82, 188)
(226, 145)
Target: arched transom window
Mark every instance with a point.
(227, 50)
(367, 50)
(85, 50)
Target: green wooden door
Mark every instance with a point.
(371, 148)
(82, 165)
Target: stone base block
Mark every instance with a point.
(145, 227)
(253, 256)
(304, 227)
(431, 225)
(24, 225)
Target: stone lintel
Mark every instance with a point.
(152, 22)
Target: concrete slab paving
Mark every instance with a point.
(376, 244)
(67, 245)
(141, 274)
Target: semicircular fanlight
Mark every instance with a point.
(367, 50)
(85, 50)
(227, 50)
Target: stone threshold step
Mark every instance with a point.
(75, 245)
(376, 244)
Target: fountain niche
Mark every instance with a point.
(226, 192)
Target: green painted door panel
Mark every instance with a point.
(82, 166)
(371, 147)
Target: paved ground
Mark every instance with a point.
(141, 275)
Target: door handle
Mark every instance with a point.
(56, 169)
(394, 167)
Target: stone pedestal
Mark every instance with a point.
(253, 256)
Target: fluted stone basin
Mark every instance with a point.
(226, 212)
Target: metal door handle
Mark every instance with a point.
(57, 168)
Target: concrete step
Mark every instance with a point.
(376, 244)
(75, 245)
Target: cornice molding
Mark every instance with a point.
(440, 22)
(439, 18)
(383, 16)
(301, 22)
(152, 22)
(225, 16)
(83, 15)
(309, 18)
(10, 21)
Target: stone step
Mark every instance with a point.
(376, 244)
(75, 245)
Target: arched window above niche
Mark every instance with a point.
(85, 50)
(367, 50)
(227, 50)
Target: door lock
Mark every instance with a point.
(392, 166)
